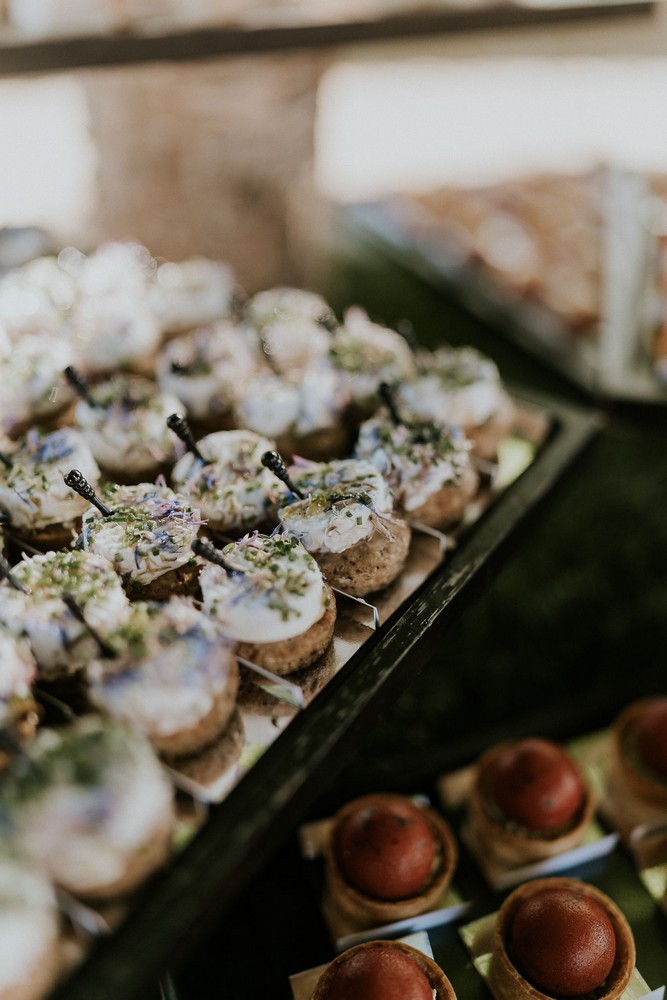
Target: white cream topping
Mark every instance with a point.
(274, 405)
(150, 531)
(191, 292)
(268, 405)
(60, 643)
(100, 797)
(273, 590)
(369, 354)
(345, 503)
(112, 331)
(17, 673)
(28, 921)
(173, 664)
(418, 461)
(128, 430)
(293, 344)
(205, 368)
(33, 491)
(234, 490)
(31, 376)
(286, 303)
(459, 386)
(35, 297)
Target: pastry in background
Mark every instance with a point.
(207, 368)
(123, 422)
(428, 466)
(383, 970)
(284, 303)
(529, 801)
(30, 931)
(63, 637)
(460, 386)
(174, 679)
(388, 857)
(636, 791)
(560, 937)
(34, 389)
(367, 354)
(267, 593)
(343, 513)
(91, 807)
(225, 480)
(42, 511)
(191, 293)
(304, 413)
(146, 533)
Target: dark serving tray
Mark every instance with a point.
(614, 363)
(174, 909)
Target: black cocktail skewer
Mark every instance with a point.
(77, 382)
(386, 394)
(78, 482)
(178, 424)
(272, 461)
(105, 649)
(6, 572)
(422, 431)
(209, 552)
(6, 460)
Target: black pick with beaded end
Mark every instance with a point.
(208, 551)
(73, 605)
(421, 431)
(178, 424)
(386, 393)
(272, 461)
(6, 460)
(6, 572)
(78, 482)
(77, 382)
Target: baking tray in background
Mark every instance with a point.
(173, 911)
(613, 363)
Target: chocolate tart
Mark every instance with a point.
(636, 780)
(508, 843)
(367, 911)
(636, 795)
(505, 980)
(438, 981)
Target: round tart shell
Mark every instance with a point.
(436, 977)
(287, 655)
(365, 911)
(506, 981)
(507, 844)
(634, 779)
(371, 564)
